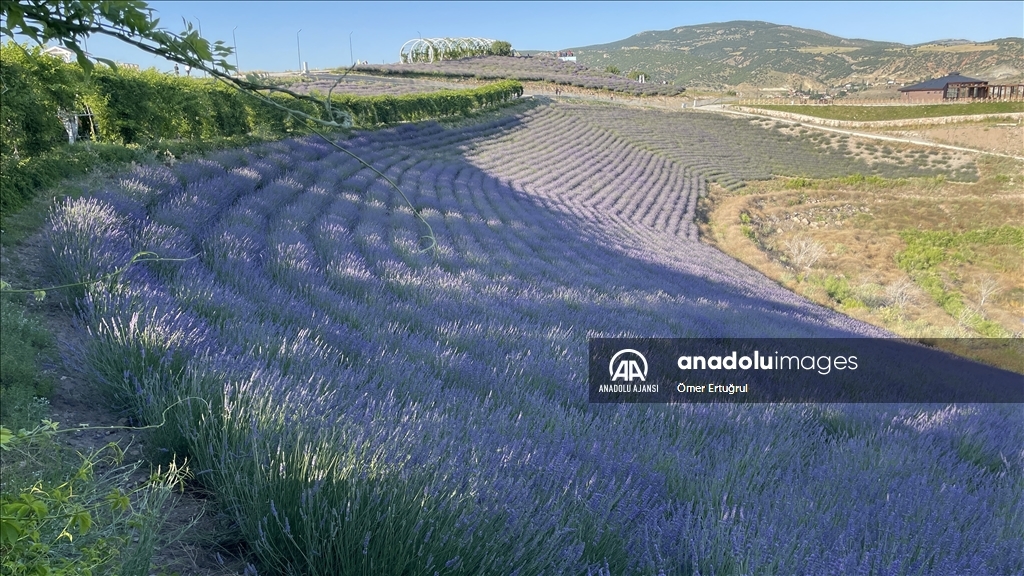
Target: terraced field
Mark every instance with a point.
(361, 406)
(546, 69)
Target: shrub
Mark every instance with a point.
(35, 87)
(500, 48)
(71, 521)
(21, 178)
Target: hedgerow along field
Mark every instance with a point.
(361, 406)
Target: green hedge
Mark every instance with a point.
(375, 110)
(137, 107)
(20, 178)
(132, 107)
(34, 87)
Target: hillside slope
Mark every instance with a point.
(763, 54)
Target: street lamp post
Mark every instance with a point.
(350, 56)
(298, 47)
(235, 44)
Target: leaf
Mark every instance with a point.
(117, 500)
(39, 508)
(6, 436)
(82, 520)
(10, 530)
(39, 294)
(108, 62)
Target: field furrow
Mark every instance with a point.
(428, 409)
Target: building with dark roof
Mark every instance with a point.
(956, 87)
(950, 87)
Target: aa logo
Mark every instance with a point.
(628, 365)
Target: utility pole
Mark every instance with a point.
(350, 57)
(299, 48)
(235, 44)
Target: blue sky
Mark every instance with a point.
(265, 32)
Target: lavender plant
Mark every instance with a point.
(369, 408)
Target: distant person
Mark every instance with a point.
(176, 71)
(188, 71)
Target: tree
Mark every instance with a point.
(501, 48)
(34, 85)
(636, 74)
(70, 22)
(612, 70)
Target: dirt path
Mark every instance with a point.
(920, 142)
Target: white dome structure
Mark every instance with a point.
(431, 49)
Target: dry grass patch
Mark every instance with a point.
(921, 257)
(826, 49)
(1005, 136)
(957, 48)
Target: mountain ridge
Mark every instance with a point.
(757, 54)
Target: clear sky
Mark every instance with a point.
(268, 37)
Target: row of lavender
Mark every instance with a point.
(362, 407)
(373, 86)
(731, 150)
(542, 69)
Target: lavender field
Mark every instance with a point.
(544, 69)
(373, 86)
(360, 406)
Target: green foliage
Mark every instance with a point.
(636, 74)
(798, 183)
(927, 249)
(71, 21)
(387, 109)
(500, 48)
(25, 341)
(857, 179)
(33, 87)
(20, 179)
(839, 290)
(612, 70)
(139, 107)
(71, 522)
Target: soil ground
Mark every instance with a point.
(992, 136)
